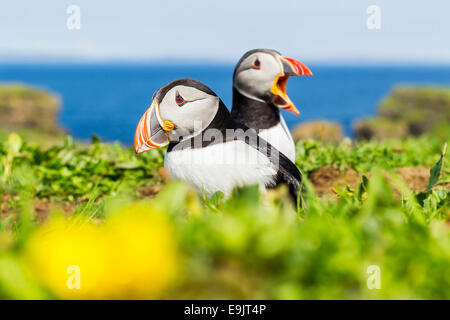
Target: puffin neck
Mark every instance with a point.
(221, 121)
(254, 114)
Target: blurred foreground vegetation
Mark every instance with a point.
(87, 206)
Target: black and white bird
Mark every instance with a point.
(259, 92)
(207, 148)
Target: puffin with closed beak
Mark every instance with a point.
(207, 148)
(259, 92)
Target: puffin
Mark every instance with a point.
(208, 148)
(259, 92)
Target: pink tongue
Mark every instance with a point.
(280, 101)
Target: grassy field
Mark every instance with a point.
(99, 211)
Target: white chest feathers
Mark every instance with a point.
(221, 167)
(280, 137)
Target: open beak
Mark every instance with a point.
(291, 67)
(151, 132)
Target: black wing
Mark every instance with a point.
(287, 172)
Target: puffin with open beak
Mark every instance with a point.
(207, 148)
(259, 92)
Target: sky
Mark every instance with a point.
(411, 31)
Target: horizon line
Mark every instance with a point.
(208, 61)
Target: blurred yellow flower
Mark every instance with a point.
(132, 255)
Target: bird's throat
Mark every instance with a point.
(254, 114)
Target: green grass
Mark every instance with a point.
(251, 246)
(70, 171)
(366, 155)
(14, 95)
(33, 136)
(408, 110)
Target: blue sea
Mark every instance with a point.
(108, 99)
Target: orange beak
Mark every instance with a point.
(291, 67)
(151, 133)
(294, 67)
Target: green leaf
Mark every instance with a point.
(14, 143)
(95, 139)
(435, 171)
(128, 165)
(4, 223)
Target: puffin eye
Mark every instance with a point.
(256, 64)
(179, 100)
